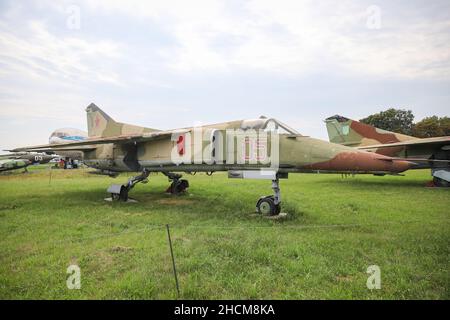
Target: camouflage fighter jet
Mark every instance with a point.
(22, 160)
(432, 153)
(263, 148)
(13, 164)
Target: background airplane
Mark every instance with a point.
(15, 161)
(433, 153)
(22, 160)
(66, 135)
(118, 147)
(13, 164)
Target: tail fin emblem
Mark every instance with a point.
(97, 121)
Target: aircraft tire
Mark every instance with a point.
(115, 196)
(123, 194)
(266, 206)
(441, 182)
(179, 186)
(183, 185)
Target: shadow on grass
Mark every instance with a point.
(15, 172)
(230, 209)
(148, 200)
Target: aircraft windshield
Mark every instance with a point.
(268, 125)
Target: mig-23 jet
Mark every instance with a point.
(429, 153)
(263, 148)
(21, 160)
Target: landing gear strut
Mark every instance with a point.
(120, 192)
(177, 185)
(270, 205)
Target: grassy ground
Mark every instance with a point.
(335, 229)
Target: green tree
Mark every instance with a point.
(396, 120)
(432, 127)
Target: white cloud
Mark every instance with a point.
(42, 55)
(295, 37)
(289, 37)
(146, 61)
(46, 102)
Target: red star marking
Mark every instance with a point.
(97, 121)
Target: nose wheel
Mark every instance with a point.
(270, 205)
(266, 206)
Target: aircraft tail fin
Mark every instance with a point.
(100, 124)
(352, 133)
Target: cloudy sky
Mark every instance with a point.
(169, 64)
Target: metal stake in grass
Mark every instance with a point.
(50, 175)
(173, 260)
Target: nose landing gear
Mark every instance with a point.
(270, 205)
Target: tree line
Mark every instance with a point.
(402, 121)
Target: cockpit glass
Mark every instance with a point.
(273, 125)
(268, 125)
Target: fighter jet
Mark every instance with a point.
(433, 153)
(22, 160)
(263, 148)
(13, 164)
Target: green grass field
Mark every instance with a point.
(335, 229)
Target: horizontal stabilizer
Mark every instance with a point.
(437, 141)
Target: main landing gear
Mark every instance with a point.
(177, 185)
(441, 177)
(120, 192)
(270, 205)
(442, 183)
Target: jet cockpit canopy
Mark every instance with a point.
(269, 125)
